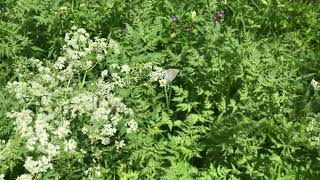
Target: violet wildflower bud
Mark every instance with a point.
(174, 18)
(218, 17)
(220, 14)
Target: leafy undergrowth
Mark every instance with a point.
(159, 89)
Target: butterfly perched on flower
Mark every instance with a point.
(170, 74)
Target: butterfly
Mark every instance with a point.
(170, 74)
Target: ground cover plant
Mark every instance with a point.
(146, 89)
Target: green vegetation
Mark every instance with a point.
(244, 105)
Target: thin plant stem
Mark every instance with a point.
(167, 98)
(83, 80)
(169, 94)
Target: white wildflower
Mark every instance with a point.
(37, 166)
(104, 73)
(31, 142)
(100, 113)
(70, 145)
(115, 66)
(68, 72)
(59, 64)
(315, 84)
(193, 15)
(36, 89)
(35, 62)
(125, 68)
(98, 171)
(50, 149)
(115, 46)
(83, 103)
(132, 126)
(105, 141)
(147, 66)
(71, 54)
(47, 78)
(19, 88)
(81, 30)
(45, 101)
(313, 125)
(84, 130)
(108, 130)
(83, 38)
(117, 80)
(23, 121)
(163, 82)
(44, 70)
(25, 177)
(157, 74)
(115, 119)
(88, 64)
(63, 130)
(55, 98)
(41, 125)
(100, 57)
(119, 144)
(88, 50)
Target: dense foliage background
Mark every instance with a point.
(242, 106)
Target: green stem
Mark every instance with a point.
(169, 94)
(83, 80)
(26, 106)
(65, 94)
(167, 98)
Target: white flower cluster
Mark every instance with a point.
(157, 73)
(36, 166)
(313, 124)
(315, 84)
(125, 68)
(79, 44)
(313, 130)
(93, 172)
(132, 126)
(107, 116)
(24, 177)
(115, 46)
(119, 144)
(58, 99)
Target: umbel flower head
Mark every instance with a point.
(56, 96)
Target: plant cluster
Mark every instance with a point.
(159, 89)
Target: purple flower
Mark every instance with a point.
(220, 14)
(218, 17)
(174, 18)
